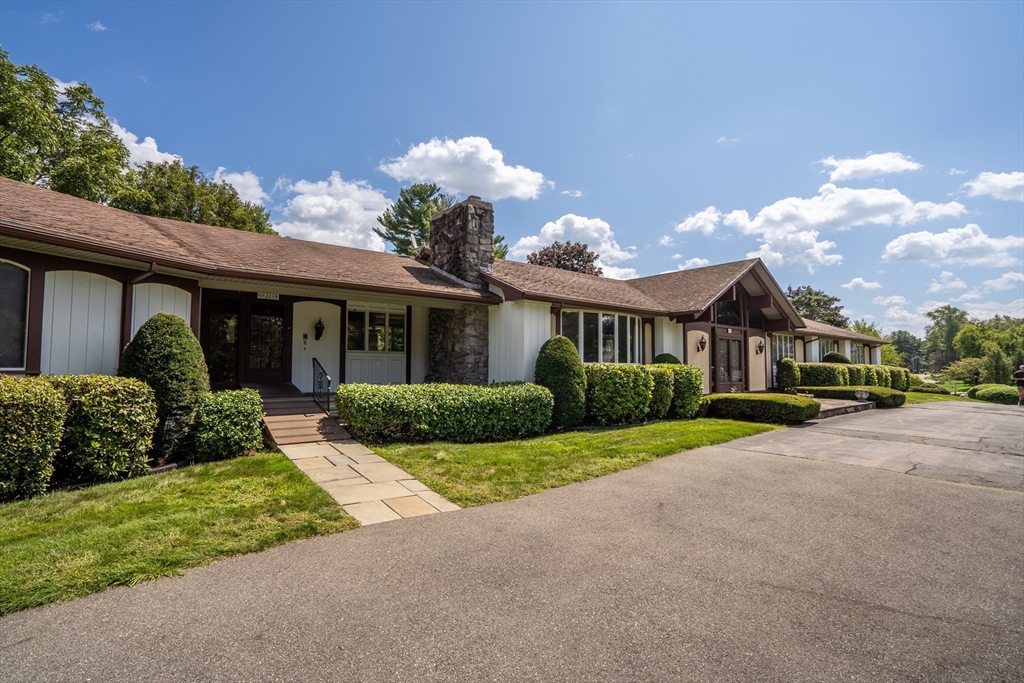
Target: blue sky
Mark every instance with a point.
(873, 150)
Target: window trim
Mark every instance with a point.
(28, 305)
(387, 311)
(637, 350)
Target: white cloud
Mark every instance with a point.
(947, 282)
(1005, 186)
(726, 140)
(468, 165)
(1010, 280)
(677, 256)
(335, 211)
(956, 171)
(703, 221)
(616, 273)
(665, 240)
(962, 246)
(899, 318)
(972, 295)
(893, 300)
(593, 232)
(869, 166)
(572, 193)
(988, 309)
(96, 26)
(48, 17)
(861, 283)
(246, 183)
(141, 152)
(689, 264)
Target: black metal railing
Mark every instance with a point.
(321, 387)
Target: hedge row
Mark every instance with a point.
(824, 374)
(973, 391)
(618, 393)
(444, 412)
(773, 408)
(999, 394)
(31, 422)
(229, 424)
(883, 397)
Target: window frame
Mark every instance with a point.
(387, 312)
(634, 338)
(28, 305)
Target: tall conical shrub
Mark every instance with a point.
(560, 370)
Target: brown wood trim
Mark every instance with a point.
(408, 344)
(34, 344)
(557, 312)
(344, 342)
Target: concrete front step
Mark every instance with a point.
(831, 407)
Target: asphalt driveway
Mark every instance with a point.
(724, 563)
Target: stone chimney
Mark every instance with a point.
(461, 239)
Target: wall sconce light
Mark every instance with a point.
(318, 329)
(702, 344)
(760, 347)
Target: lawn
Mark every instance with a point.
(914, 398)
(476, 474)
(67, 544)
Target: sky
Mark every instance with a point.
(871, 150)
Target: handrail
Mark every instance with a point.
(321, 387)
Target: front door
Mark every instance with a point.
(265, 357)
(729, 364)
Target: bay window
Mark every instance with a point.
(601, 336)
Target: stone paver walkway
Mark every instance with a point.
(365, 485)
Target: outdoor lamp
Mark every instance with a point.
(318, 329)
(702, 343)
(760, 347)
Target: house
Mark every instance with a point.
(77, 279)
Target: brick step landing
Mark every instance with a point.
(830, 407)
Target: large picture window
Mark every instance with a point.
(783, 346)
(857, 353)
(376, 331)
(603, 337)
(826, 346)
(14, 281)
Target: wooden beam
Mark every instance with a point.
(777, 325)
(760, 302)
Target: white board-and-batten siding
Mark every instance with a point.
(149, 299)
(81, 323)
(517, 331)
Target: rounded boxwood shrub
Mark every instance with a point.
(835, 357)
(1000, 393)
(167, 356)
(973, 391)
(773, 408)
(824, 374)
(666, 359)
(856, 373)
(870, 375)
(661, 392)
(617, 393)
(787, 373)
(109, 427)
(460, 413)
(31, 422)
(229, 424)
(560, 370)
(883, 398)
(930, 388)
(687, 389)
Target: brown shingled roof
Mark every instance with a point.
(821, 329)
(685, 291)
(51, 217)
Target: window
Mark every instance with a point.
(755, 320)
(783, 346)
(857, 353)
(600, 336)
(728, 313)
(356, 330)
(396, 333)
(376, 332)
(14, 280)
(826, 346)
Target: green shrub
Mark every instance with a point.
(824, 374)
(1000, 393)
(883, 398)
(109, 427)
(687, 389)
(930, 388)
(31, 422)
(835, 357)
(900, 377)
(666, 359)
(973, 391)
(229, 424)
(870, 375)
(773, 408)
(460, 413)
(915, 380)
(560, 370)
(661, 392)
(787, 375)
(884, 378)
(856, 375)
(166, 355)
(617, 393)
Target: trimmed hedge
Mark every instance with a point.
(618, 393)
(109, 427)
(824, 374)
(31, 422)
(884, 377)
(666, 359)
(773, 408)
(883, 398)
(229, 424)
(788, 373)
(930, 388)
(661, 392)
(460, 413)
(167, 356)
(870, 375)
(900, 377)
(1001, 393)
(835, 357)
(560, 370)
(915, 380)
(687, 389)
(856, 375)
(973, 391)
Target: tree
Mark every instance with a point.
(890, 356)
(574, 256)
(907, 345)
(410, 217)
(969, 340)
(947, 322)
(170, 189)
(997, 369)
(500, 248)
(815, 304)
(55, 136)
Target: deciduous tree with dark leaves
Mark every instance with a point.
(574, 256)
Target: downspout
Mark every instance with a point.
(127, 302)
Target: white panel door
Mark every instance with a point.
(306, 347)
(148, 299)
(81, 323)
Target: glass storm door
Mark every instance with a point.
(266, 343)
(728, 364)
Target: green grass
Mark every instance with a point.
(67, 544)
(914, 398)
(476, 474)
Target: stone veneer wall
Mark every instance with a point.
(458, 345)
(461, 239)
